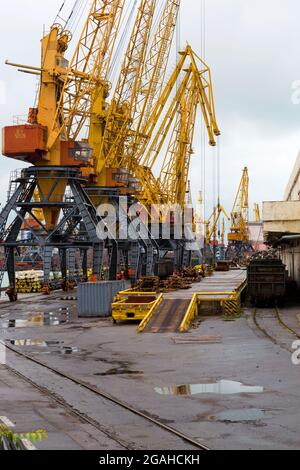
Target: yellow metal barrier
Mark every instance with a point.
(230, 301)
(128, 292)
(191, 314)
(215, 296)
(147, 319)
(125, 308)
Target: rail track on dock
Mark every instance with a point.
(101, 394)
(257, 315)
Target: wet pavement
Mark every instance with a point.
(37, 319)
(223, 387)
(26, 409)
(36, 346)
(238, 416)
(242, 393)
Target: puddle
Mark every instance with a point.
(38, 319)
(119, 372)
(237, 416)
(29, 343)
(47, 347)
(223, 387)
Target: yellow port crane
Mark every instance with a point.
(174, 175)
(70, 94)
(238, 237)
(257, 218)
(223, 231)
(240, 213)
(211, 226)
(191, 80)
(123, 110)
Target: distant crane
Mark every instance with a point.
(212, 235)
(257, 218)
(238, 237)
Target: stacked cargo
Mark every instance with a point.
(28, 282)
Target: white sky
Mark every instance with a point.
(252, 48)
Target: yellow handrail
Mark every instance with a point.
(137, 293)
(147, 319)
(190, 315)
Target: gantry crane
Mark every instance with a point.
(238, 238)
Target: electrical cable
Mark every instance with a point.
(59, 11)
(158, 13)
(77, 17)
(73, 15)
(117, 56)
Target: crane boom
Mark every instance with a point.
(124, 103)
(148, 154)
(146, 84)
(157, 61)
(174, 174)
(152, 193)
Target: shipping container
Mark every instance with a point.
(95, 298)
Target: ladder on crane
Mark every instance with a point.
(13, 183)
(3, 270)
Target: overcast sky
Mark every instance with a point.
(252, 48)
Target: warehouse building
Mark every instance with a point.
(281, 224)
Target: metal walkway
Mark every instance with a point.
(175, 311)
(168, 316)
(230, 281)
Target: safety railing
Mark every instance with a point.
(147, 319)
(190, 316)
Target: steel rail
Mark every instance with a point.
(69, 408)
(106, 396)
(281, 322)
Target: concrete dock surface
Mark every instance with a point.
(239, 393)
